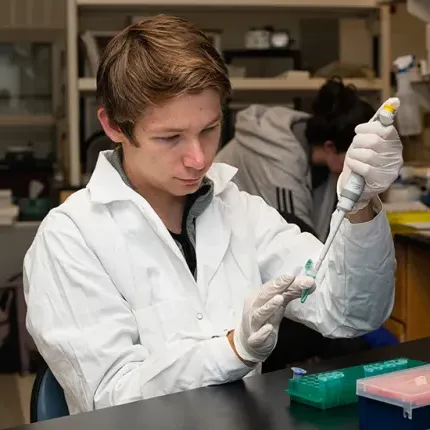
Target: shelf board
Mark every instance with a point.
(86, 85)
(296, 84)
(349, 4)
(26, 224)
(26, 120)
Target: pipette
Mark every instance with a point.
(350, 194)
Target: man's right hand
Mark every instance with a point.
(257, 334)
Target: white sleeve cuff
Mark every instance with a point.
(366, 230)
(230, 366)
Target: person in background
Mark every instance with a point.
(293, 159)
(161, 275)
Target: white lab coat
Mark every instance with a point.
(118, 317)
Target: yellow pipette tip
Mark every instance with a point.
(390, 108)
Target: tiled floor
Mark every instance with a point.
(15, 393)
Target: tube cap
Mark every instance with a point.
(298, 372)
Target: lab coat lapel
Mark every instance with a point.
(106, 186)
(213, 232)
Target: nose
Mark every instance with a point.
(194, 157)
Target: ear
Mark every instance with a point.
(329, 147)
(111, 131)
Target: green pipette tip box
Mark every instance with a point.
(337, 388)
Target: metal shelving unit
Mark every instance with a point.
(79, 86)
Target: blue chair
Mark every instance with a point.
(47, 397)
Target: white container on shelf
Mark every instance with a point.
(258, 38)
(409, 116)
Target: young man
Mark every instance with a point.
(293, 159)
(161, 276)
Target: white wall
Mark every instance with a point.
(408, 34)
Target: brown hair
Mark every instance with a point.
(153, 61)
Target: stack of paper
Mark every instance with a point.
(8, 211)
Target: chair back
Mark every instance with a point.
(47, 397)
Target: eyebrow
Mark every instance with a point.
(179, 130)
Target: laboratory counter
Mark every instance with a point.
(420, 239)
(409, 319)
(258, 402)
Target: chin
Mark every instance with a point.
(185, 190)
(190, 189)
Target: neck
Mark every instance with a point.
(169, 208)
(318, 156)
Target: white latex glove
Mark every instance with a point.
(257, 334)
(376, 154)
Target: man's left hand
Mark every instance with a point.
(376, 155)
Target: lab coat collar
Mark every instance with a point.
(106, 184)
(221, 174)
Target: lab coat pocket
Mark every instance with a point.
(167, 322)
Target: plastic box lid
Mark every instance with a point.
(409, 389)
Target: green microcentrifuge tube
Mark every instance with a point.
(308, 268)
